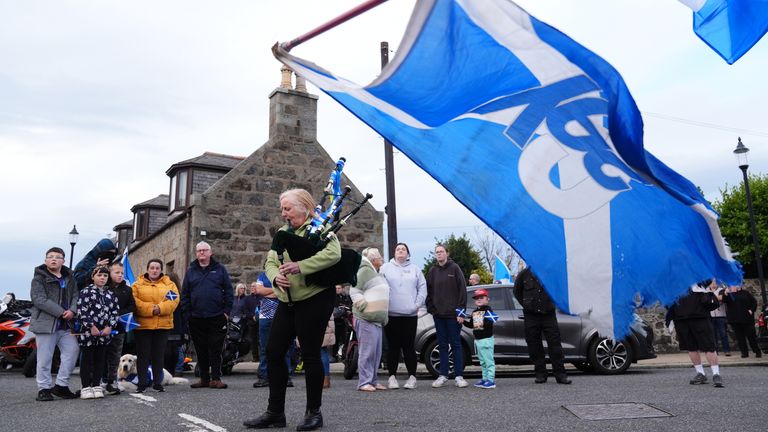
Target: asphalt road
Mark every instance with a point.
(517, 404)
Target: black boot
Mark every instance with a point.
(266, 420)
(313, 420)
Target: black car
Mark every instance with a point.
(582, 345)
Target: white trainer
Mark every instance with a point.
(461, 382)
(411, 383)
(439, 382)
(86, 393)
(98, 392)
(392, 383)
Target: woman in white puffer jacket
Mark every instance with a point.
(407, 291)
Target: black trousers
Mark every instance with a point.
(113, 353)
(401, 332)
(306, 320)
(340, 327)
(92, 365)
(253, 336)
(208, 335)
(150, 348)
(745, 332)
(535, 326)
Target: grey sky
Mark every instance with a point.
(98, 99)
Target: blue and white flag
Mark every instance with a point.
(128, 321)
(541, 139)
(171, 295)
(501, 272)
(128, 272)
(730, 27)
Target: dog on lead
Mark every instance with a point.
(127, 377)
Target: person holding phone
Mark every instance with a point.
(101, 255)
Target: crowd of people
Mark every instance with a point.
(284, 311)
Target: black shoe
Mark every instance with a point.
(261, 382)
(700, 378)
(540, 379)
(758, 354)
(266, 420)
(563, 380)
(717, 381)
(62, 392)
(141, 388)
(112, 389)
(743, 355)
(289, 383)
(44, 395)
(158, 388)
(313, 420)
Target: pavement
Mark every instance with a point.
(662, 361)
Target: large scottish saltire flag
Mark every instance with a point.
(540, 138)
(501, 272)
(730, 27)
(127, 270)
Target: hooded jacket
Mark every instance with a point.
(86, 265)
(407, 287)
(47, 295)
(370, 297)
(446, 290)
(206, 291)
(146, 294)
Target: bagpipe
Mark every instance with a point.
(323, 227)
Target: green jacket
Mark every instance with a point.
(327, 257)
(370, 297)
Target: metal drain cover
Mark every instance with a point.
(614, 411)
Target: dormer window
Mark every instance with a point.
(180, 190)
(140, 224)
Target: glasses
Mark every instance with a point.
(57, 257)
(202, 250)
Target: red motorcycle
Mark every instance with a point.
(17, 343)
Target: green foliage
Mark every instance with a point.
(460, 250)
(734, 219)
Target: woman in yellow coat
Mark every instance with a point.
(156, 298)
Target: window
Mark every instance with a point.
(182, 196)
(172, 202)
(496, 299)
(140, 224)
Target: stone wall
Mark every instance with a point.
(169, 246)
(665, 343)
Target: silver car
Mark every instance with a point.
(582, 345)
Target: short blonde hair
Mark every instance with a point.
(301, 198)
(371, 253)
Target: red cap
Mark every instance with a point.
(480, 293)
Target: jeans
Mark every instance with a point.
(449, 333)
(46, 344)
(265, 324)
(720, 327)
(325, 359)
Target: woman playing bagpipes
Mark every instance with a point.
(303, 312)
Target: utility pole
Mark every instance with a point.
(389, 171)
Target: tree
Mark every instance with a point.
(460, 250)
(490, 245)
(734, 220)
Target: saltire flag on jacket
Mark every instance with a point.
(501, 272)
(127, 271)
(730, 27)
(541, 139)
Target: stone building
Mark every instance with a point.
(232, 202)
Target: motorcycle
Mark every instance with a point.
(349, 347)
(17, 343)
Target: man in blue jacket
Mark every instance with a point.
(206, 298)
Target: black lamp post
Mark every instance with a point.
(741, 155)
(72, 241)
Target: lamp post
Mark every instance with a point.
(72, 241)
(741, 155)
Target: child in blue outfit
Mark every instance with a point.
(481, 322)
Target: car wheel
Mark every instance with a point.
(608, 357)
(30, 365)
(431, 358)
(350, 362)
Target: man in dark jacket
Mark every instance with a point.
(54, 299)
(446, 292)
(741, 316)
(540, 317)
(206, 298)
(690, 314)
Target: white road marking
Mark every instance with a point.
(208, 425)
(145, 398)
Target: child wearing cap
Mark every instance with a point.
(481, 322)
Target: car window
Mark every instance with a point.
(495, 300)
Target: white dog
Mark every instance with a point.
(127, 379)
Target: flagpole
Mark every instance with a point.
(358, 10)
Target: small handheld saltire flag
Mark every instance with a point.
(128, 322)
(127, 271)
(541, 139)
(171, 295)
(491, 315)
(501, 272)
(730, 27)
(461, 313)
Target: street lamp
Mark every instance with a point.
(741, 155)
(72, 241)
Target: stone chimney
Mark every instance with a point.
(292, 112)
